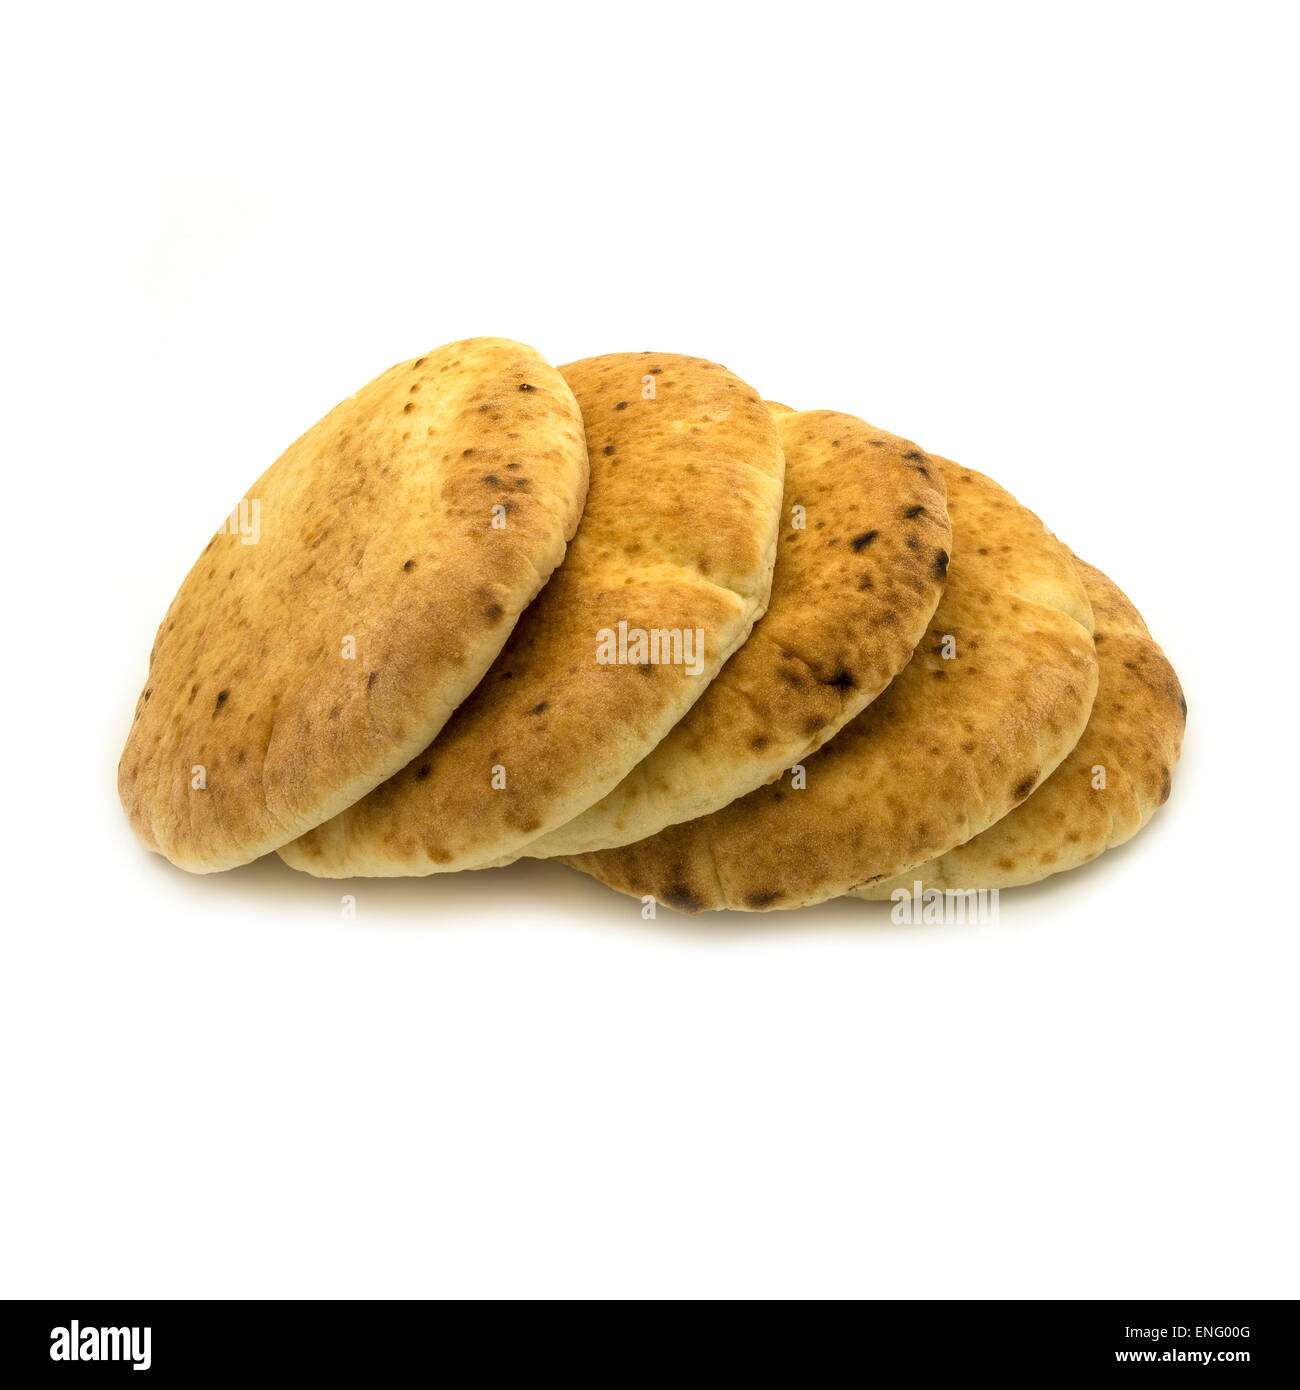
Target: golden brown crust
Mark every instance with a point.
(863, 555)
(679, 533)
(375, 525)
(945, 751)
(1118, 773)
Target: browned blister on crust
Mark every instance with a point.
(996, 695)
(300, 666)
(860, 566)
(1109, 786)
(679, 534)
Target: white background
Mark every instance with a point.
(1055, 243)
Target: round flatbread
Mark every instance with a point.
(860, 567)
(669, 569)
(995, 697)
(357, 594)
(1107, 788)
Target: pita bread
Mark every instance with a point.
(1108, 787)
(950, 747)
(861, 564)
(360, 594)
(679, 536)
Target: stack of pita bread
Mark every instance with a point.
(715, 652)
